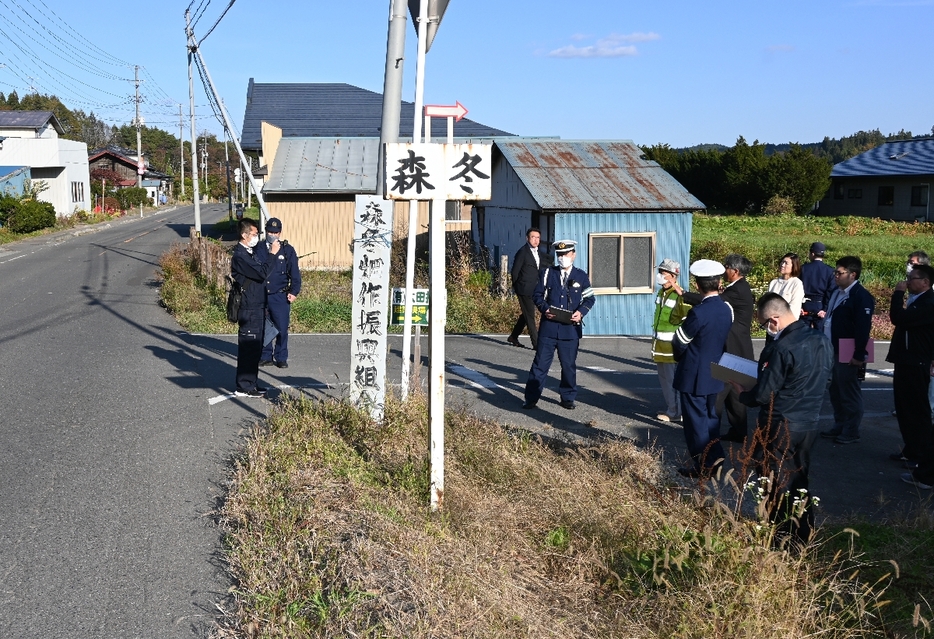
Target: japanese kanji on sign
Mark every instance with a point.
(438, 172)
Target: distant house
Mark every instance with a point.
(625, 212)
(124, 163)
(891, 181)
(31, 139)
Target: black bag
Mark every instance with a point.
(234, 296)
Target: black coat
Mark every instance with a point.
(250, 269)
(739, 296)
(913, 339)
(819, 285)
(525, 275)
(852, 318)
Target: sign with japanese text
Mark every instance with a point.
(371, 246)
(420, 301)
(438, 171)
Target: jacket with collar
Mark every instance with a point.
(741, 300)
(577, 295)
(699, 341)
(852, 318)
(524, 270)
(913, 339)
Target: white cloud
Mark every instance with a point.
(614, 45)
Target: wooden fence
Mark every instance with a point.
(210, 258)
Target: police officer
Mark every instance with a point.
(283, 285)
(700, 340)
(819, 285)
(564, 296)
(250, 266)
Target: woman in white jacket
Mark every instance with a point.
(788, 283)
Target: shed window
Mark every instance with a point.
(919, 195)
(854, 194)
(838, 191)
(622, 262)
(886, 196)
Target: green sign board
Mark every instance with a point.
(420, 300)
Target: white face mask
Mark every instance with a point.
(253, 241)
(908, 268)
(660, 280)
(564, 261)
(772, 334)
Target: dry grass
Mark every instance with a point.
(330, 535)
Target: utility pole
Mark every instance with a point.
(181, 152)
(192, 47)
(392, 83)
(229, 193)
(204, 166)
(139, 142)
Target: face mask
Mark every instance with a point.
(253, 241)
(564, 261)
(772, 334)
(660, 280)
(271, 238)
(908, 268)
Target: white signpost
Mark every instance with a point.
(436, 172)
(371, 293)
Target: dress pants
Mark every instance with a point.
(910, 385)
(736, 416)
(846, 397)
(544, 354)
(526, 319)
(249, 347)
(702, 430)
(279, 309)
(788, 460)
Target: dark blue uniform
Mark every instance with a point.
(575, 295)
(699, 341)
(283, 278)
(819, 285)
(250, 268)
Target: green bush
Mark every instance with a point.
(31, 215)
(132, 197)
(7, 207)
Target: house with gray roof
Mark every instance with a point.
(331, 110)
(891, 181)
(625, 212)
(31, 139)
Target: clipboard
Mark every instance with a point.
(736, 369)
(848, 346)
(561, 315)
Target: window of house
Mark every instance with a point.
(919, 195)
(886, 196)
(622, 262)
(77, 191)
(452, 210)
(838, 191)
(854, 194)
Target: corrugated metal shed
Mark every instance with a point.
(905, 157)
(332, 110)
(29, 120)
(595, 175)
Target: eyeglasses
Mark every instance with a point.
(916, 277)
(840, 273)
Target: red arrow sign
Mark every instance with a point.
(438, 111)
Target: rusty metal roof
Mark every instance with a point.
(610, 175)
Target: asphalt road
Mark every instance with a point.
(117, 428)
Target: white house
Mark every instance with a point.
(31, 138)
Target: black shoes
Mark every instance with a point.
(529, 405)
(568, 405)
(266, 362)
(256, 392)
(739, 438)
(282, 364)
(831, 434)
(514, 341)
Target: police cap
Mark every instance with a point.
(707, 268)
(564, 246)
(274, 225)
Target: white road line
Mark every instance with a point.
(474, 378)
(220, 398)
(13, 258)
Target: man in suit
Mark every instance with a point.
(849, 316)
(567, 288)
(526, 266)
(793, 374)
(699, 341)
(738, 296)
(819, 285)
(912, 350)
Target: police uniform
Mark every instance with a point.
(818, 280)
(699, 341)
(284, 278)
(569, 290)
(250, 268)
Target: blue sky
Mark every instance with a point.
(675, 72)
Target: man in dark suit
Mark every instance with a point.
(526, 266)
(819, 285)
(849, 316)
(739, 297)
(699, 341)
(912, 350)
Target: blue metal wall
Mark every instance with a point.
(627, 314)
